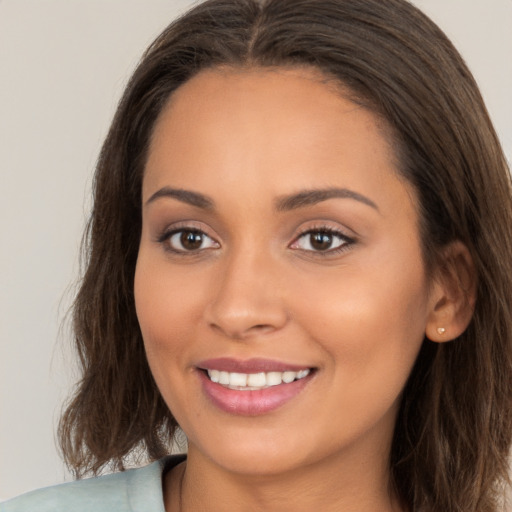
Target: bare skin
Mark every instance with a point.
(251, 263)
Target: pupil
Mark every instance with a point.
(190, 240)
(321, 241)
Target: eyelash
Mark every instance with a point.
(345, 244)
(345, 240)
(166, 237)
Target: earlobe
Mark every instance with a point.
(453, 294)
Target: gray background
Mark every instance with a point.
(63, 65)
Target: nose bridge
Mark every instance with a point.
(246, 299)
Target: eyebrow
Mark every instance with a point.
(300, 199)
(312, 197)
(185, 196)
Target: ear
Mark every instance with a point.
(453, 294)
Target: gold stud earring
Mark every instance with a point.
(441, 330)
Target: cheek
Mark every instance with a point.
(165, 308)
(167, 311)
(371, 323)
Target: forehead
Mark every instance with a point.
(292, 128)
(277, 95)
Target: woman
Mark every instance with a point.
(299, 253)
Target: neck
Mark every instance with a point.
(356, 484)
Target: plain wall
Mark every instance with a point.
(63, 65)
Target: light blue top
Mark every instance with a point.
(135, 490)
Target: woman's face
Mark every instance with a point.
(279, 284)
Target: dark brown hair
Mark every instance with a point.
(454, 426)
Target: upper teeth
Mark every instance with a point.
(254, 381)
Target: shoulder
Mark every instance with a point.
(132, 490)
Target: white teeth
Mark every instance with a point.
(255, 381)
(302, 374)
(289, 377)
(274, 378)
(238, 379)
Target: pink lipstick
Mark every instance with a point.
(251, 387)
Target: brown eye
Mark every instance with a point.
(189, 240)
(322, 240)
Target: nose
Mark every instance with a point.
(247, 300)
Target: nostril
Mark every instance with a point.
(260, 328)
(240, 316)
(240, 332)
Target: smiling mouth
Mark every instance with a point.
(255, 381)
(252, 387)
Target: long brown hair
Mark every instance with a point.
(454, 427)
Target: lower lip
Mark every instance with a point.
(251, 402)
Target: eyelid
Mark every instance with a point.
(169, 231)
(192, 225)
(336, 231)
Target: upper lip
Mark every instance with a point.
(255, 365)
